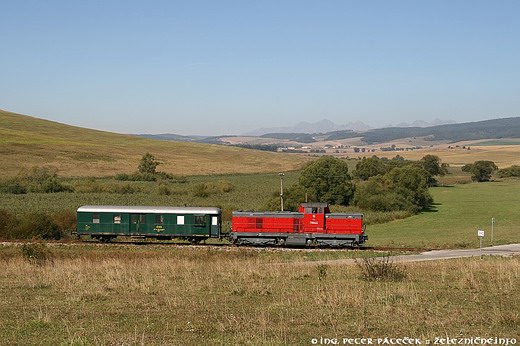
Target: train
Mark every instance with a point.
(313, 225)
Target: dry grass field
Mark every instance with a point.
(26, 142)
(502, 155)
(114, 295)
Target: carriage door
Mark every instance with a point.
(137, 222)
(214, 226)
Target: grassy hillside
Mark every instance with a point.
(27, 141)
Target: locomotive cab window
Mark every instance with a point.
(199, 221)
(117, 218)
(95, 218)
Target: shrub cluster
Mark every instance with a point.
(206, 189)
(36, 225)
(401, 189)
(513, 171)
(145, 176)
(37, 253)
(37, 179)
(380, 269)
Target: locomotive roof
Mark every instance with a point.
(148, 209)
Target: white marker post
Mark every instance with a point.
(480, 234)
(493, 221)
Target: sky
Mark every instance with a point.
(229, 67)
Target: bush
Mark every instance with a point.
(41, 180)
(203, 190)
(38, 225)
(380, 268)
(122, 177)
(66, 221)
(513, 171)
(37, 253)
(8, 223)
(52, 185)
(12, 186)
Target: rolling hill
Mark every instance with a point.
(27, 141)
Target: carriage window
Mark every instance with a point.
(138, 218)
(117, 218)
(95, 218)
(214, 221)
(199, 221)
(159, 219)
(180, 220)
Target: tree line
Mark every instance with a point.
(377, 184)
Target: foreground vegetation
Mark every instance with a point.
(114, 295)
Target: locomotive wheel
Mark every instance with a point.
(311, 242)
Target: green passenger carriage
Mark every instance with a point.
(107, 222)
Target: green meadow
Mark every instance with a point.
(459, 211)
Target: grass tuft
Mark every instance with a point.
(380, 268)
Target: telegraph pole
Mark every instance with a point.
(281, 190)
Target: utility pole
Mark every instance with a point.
(281, 189)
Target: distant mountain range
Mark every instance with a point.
(307, 132)
(422, 123)
(322, 126)
(326, 126)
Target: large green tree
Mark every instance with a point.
(328, 180)
(370, 167)
(480, 170)
(432, 164)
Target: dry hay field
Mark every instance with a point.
(114, 295)
(26, 142)
(502, 155)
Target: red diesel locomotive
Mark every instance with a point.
(312, 225)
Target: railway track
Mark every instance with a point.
(222, 245)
